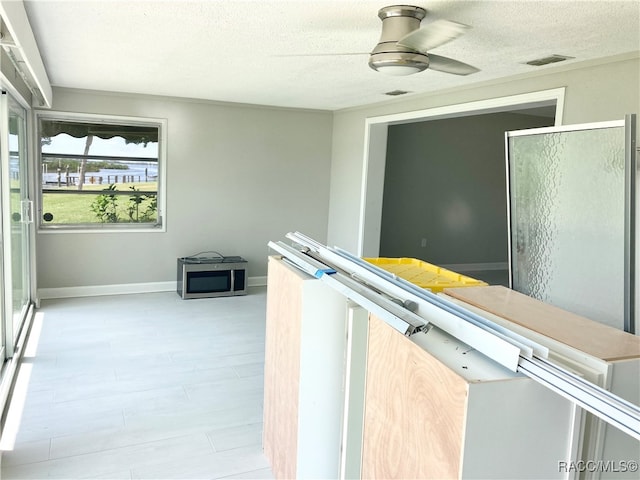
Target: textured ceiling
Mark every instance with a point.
(272, 52)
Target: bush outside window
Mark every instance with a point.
(99, 172)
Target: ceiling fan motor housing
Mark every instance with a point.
(397, 22)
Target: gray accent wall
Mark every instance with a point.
(237, 177)
(445, 198)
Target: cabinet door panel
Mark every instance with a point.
(282, 368)
(414, 410)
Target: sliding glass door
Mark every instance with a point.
(16, 220)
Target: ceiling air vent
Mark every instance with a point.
(547, 60)
(395, 93)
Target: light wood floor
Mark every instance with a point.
(141, 386)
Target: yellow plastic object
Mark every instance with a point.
(423, 274)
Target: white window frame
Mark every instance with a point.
(161, 123)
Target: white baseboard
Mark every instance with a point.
(476, 267)
(257, 281)
(123, 289)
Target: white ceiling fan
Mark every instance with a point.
(404, 48)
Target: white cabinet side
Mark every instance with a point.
(621, 453)
(517, 429)
(355, 380)
(321, 395)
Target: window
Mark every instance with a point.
(100, 172)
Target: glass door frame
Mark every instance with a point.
(13, 320)
(5, 247)
(631, 172)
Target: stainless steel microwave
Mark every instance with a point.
(204, 277)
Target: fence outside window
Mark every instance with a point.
(98, 173)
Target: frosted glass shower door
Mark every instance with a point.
(571, 218)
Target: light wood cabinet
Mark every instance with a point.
(282, 368)
(348, 396)
(434, 408)
(304, 374)
(601, 354)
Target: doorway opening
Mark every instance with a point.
(422, 199)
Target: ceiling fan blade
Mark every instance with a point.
(449, 65)
(321, 54)
(433, 35)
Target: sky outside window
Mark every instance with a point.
(115, 146)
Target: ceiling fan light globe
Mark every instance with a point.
(398, 70)
(398, 63)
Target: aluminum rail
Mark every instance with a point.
(388, 309)
(528, 347)
(386, 295)
(602, 403)
(491, 339)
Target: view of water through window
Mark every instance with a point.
(95, 173)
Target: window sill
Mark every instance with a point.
(85, 230)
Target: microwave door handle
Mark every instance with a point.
(232, 272)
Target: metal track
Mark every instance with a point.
(403, 320)
(387, 295)
(602, 403)
(495, 341)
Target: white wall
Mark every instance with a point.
(594, 92)
(237, 177)
(265, 171)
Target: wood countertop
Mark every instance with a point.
(589, 336)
